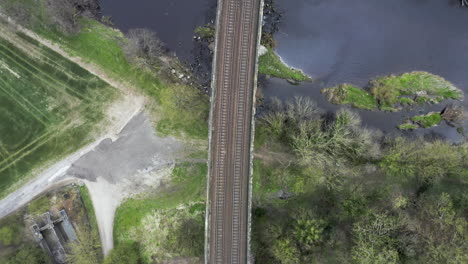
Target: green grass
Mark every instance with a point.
(206, 32)
(271, 64)
(391, 93)
(407, 126)
(188, 185)
(406, 101)
(48, 106)
(388, 90)
(183, 110)
(349, 94)
(51, 109)
(429, 120)
(89, 212)
(166, 214)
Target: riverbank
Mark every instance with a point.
(175, 106)
(272, 64)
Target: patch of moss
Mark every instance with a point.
(206, 32)
(271, 64)
(423, 100)
(391, 92)
(405, 101)
(429, 120)
(388, 89)
(349, 94)
(407, 126)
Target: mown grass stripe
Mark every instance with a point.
(47, 54)
(2, 147)
(3, 151)
(26, 66)
(26, 153)
(15, 99)
(38, 139)
(45, 75)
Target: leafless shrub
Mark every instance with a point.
(64, 15)
(317, 142)
(143, 47)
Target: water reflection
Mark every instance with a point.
(353, 41)
(173, 20)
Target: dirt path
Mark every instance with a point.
(134, 163)
(56, 173)
(106, 195)
(55, 47)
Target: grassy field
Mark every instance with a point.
(181, 110)
(183, 199)
(271, 64)
(392, 93)
(48, 106)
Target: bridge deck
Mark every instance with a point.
(234, 79)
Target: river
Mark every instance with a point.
(334, 41)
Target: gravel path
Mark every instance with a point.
(126, 159)
(137, 161)
(134, 163)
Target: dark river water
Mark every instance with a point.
(173, 20)
(334, 41)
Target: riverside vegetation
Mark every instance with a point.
(391, 93)
(327, 190)
(17, 246)
(269, 63)
(51, 106)
(425, 121)
(137, 60)
(167, 225)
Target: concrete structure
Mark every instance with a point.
(53, 235)
(235, 64)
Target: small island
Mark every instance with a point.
(392, 93)
(422, 121)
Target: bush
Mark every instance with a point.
(308, 232)
(143, 47)
(206, 32)
(375, 239)
(425, 162)
(285, 251)
(7, 235)
(162, 232)
(124, 253)
(29, 254)
(86, 250)
(190, 237)
(315, 140)
(317, 143)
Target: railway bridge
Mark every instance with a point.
(238, 31)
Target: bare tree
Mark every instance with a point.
(143, 45)
(64, 15)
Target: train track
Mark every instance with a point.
(231, 130)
